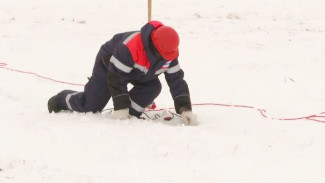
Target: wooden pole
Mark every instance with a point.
(149, 10)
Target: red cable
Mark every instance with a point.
(4, 66)
(315, 117)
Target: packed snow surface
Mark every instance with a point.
(265, 55)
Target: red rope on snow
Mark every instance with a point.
(314, 117)
(4, 66)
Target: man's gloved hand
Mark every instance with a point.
(189, 118)
(121, 114)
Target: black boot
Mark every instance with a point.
(53, 106)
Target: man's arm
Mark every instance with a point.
(178, 87)
(119, 68)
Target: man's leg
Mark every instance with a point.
(94, 97)
(143, 94)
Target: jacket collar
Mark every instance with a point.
(145, 36)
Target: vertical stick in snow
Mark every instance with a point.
(149, 10)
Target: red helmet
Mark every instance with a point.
(166, 41)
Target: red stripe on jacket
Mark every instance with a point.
(139, 56)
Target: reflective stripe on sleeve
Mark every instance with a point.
(136, 107)
(174, 69)
(130, 37)
(120, 65)
(141, 68)
(160, 71)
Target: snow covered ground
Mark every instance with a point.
(259, 53)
